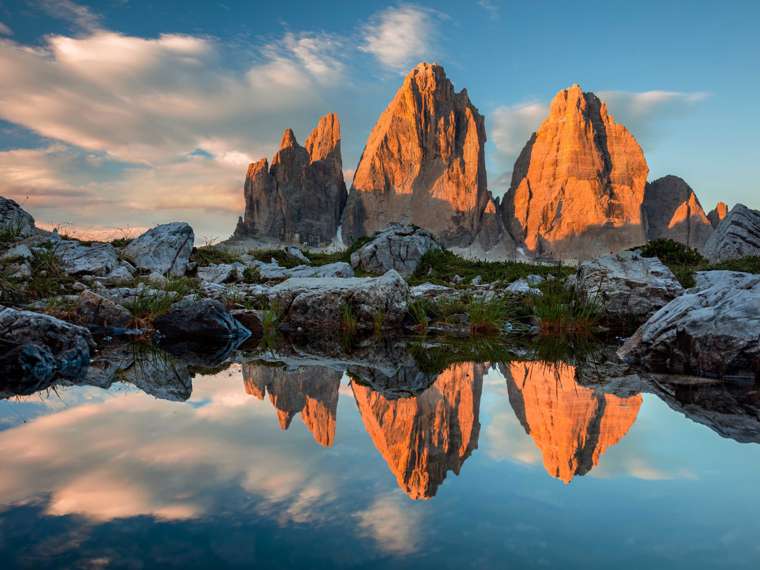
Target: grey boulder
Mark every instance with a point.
(711, 330)
(199, 319)
(14, 219)
(626, 285)
(92, 309)
(738, 235)
(79, 259)
(398, 247)
(164, 249)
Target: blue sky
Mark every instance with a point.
(127, 113)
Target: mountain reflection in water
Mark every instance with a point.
(190, 441)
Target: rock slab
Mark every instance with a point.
(397, 247)
(164, 249)
(738, 235)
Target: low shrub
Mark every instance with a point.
(212, 255)
(561, 311)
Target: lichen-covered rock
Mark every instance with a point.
(710, 330)
(14, 219)
(199, 319)
(92, 309)
(164, 249)
(275, 272)
(628, 287)
(324, 303)
(35, 348)
(423, 164)
(301, 197)
(738, 235)
(397, 247)
(673, 211)
(80, 259)
(578, 185)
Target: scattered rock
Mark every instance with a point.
(92, 309)
(628, 287)
(711, 330)
(80, 259)
(14, 219)
(477, 280)
(222, 273)
(396, 247)
(738, 235)
(294, 253)
(523, 287)
(164, 249)
(18, 252)
(322, 303)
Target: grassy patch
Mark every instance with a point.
(348, 320)
(48, 276)
(442, 265)
(9, 236)
(212, 255)
(279, 255)
(487, 317)
(319, 258)
(252, 275)
(147, 307)
(435, 358)
(562, 312)
(684, 261)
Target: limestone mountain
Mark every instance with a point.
(718, 213)
(578, 184)
(673, 211)
(423, 163)
(299, 198)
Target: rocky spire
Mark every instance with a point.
(578, 185)
(300, 198)
(673, 211)
(423, 163)
(717, 214)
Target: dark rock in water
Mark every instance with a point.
(200, 319)
(92, 309)
(738, 235)
(25, 369)
(710, 330)
(147, 367)
(164, 249)
(397, 247)
(731, 409)
(66, 344)
(251, 320)
(14, 219)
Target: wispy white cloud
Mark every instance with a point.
(642, 113)
(5, 30)
(69, 11)
(391, 524)
(401, 36)
(491, 7)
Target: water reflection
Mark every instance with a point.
(150, 437)
(572, 425)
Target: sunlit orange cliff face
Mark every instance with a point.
(572, 425)
(312, 391)
(423, 438)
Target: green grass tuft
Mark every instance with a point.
(212, 255)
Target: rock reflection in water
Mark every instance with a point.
(572, 425)
(423, 437)
(311, 391)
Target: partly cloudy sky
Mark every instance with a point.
(124, 114)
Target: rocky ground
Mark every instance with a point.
(69, 308)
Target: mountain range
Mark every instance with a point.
(579, 187)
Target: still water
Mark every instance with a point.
(514, 464)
